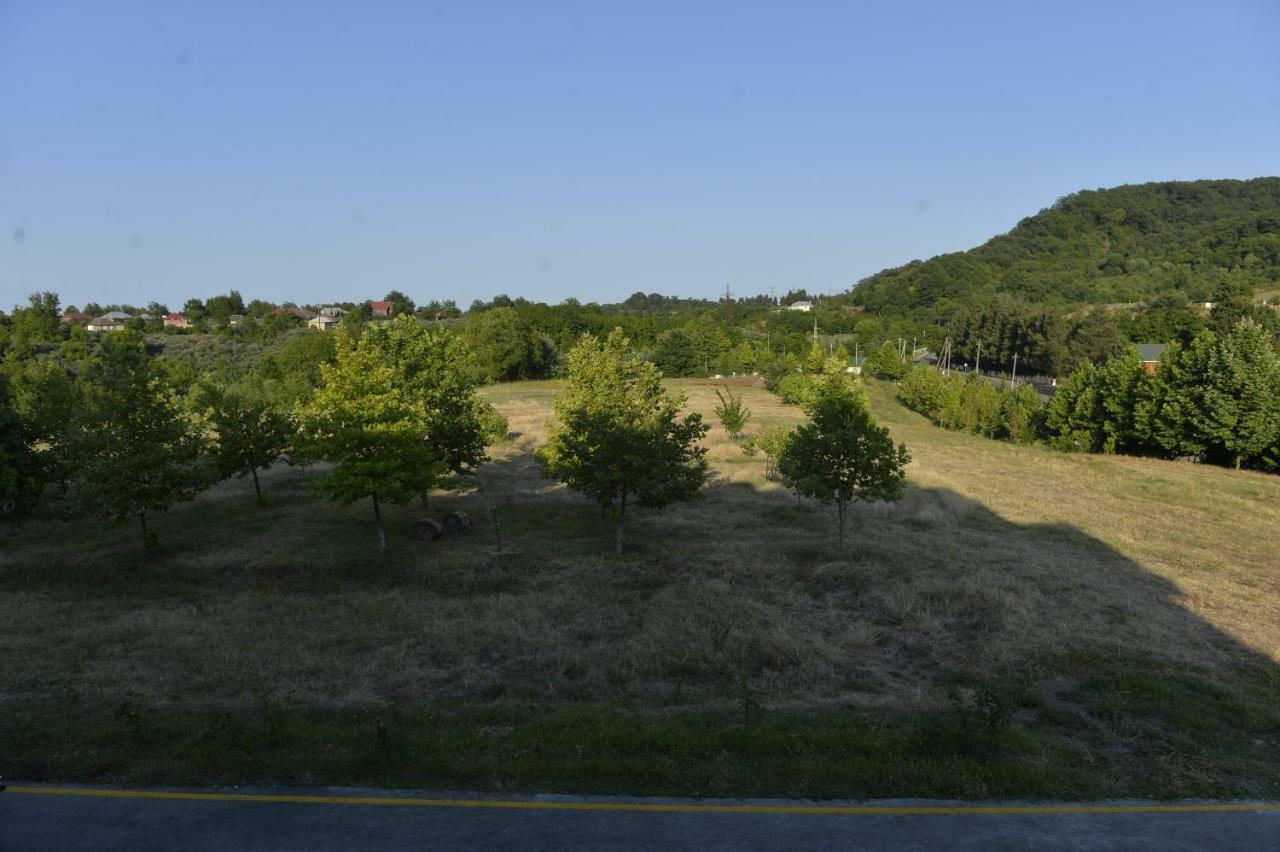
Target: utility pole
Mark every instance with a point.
(977, 367)
(1014, 381)
(815, 330)
(728, 306)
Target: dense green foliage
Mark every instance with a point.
(132, 447)
(251, 431)
(432, 367)
(370, 426)
(1216, 400)
(971, 404)
(1125, 244)
(885, 362)
(506, 347)
(619, 435)
(20, 474)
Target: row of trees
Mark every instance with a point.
(394, 414)
(620, 437)
(972, 404)
(1216, 399)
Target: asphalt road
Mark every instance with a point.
(37, 817)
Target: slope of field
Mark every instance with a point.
(1024, 623)
(1106, 246)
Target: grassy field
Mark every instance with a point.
(1023, 623)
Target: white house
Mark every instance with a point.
(323, 322)
(800, 306)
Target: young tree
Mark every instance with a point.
(1120, 384)
(1241, 411)
(886, 362)
(1232, 302)
(47, 401)
(1072, 419)
(252, 432)
(433, 368)
(922, 389)
(371, 428)
(772, 441)
(733, 414)
(620, 436)
(135, 450)
(1169, 410)
(841, 455)
(1019, 412)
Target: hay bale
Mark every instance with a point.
(457, 522)
(427, 529)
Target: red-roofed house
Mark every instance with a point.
(301, 313)
(380, 309)
(176, 321)
(76, 316)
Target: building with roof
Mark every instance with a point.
(110, 321)
(1150, 354)
(380, 309)
(322, 322)
(176, 321)
(76, 316)
(800, 306)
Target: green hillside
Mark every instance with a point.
(1127, 244)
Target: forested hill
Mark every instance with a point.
(1127, 244)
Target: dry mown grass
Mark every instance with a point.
(999, 559)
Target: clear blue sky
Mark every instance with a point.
(324, 151)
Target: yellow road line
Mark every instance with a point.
(881, 810)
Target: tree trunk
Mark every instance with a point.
(1237, 462)
(142, 518)
(622, 512)
(257, 487)
(377, 522)
(840, 510)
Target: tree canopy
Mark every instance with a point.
(619, 436)
(840, 455)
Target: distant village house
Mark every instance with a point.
(380, 309)
(800, 306)
(111, 321)
(176, 321)
(322, 322)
